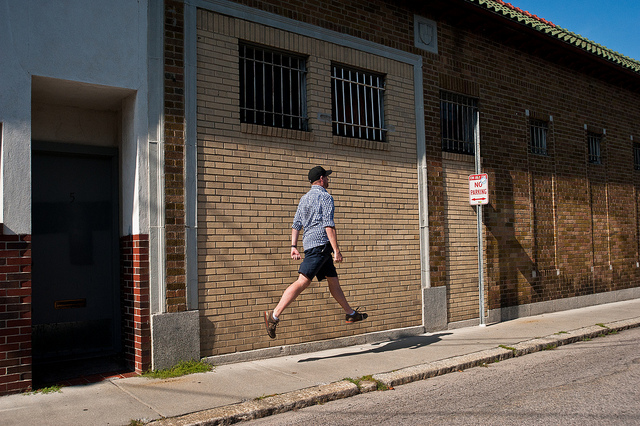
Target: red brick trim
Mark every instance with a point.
(136, 320)
(15, 313)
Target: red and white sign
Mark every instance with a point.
(479, 189)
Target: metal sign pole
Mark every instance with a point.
(479, 219)
(480, 268)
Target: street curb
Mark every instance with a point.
(294, 400)
(462, 362)
(438, 368)
(268, 406)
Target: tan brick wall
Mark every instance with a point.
(250, 180)
(461, 240)
(556, 227)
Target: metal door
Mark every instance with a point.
(75, 274)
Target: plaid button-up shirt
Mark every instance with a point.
(314, 214)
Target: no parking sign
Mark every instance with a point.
(479, 189)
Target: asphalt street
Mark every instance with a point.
(592, 382)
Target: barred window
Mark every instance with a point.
(539, 131)
(358, 104)
(594, 140)
(272, 88)
(636, 156)
(458, 122)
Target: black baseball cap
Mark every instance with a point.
(317, 172)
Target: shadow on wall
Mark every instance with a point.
(507, 261)
(515, 277)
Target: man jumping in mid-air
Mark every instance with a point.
(320, 241)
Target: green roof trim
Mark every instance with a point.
(549, 28)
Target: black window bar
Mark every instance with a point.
(358, 104)
(458, 122)
(594, 141)
(539, 130)
(272, 88)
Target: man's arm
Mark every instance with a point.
(333, 239)
(295, 254)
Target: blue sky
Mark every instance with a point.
(612, 23)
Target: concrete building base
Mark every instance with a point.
(513, 312)
(175, 337)
(558, 305)
(434, 308)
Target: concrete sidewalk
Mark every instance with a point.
(253, 389)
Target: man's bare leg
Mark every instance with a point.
(291, 293)
(338, 294)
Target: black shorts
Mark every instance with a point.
(318, 263)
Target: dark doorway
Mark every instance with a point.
(75, 252)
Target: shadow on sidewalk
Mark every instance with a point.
(414, 342)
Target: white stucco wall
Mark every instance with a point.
(101, 42)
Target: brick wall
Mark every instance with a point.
(250, 180)
(174, 156)
(556, 227)
(461, 239)
(136, 322)
(15, 313)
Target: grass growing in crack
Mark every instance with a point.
(509, 348)
(609, 330)
(561, 332)
(354, 381)
(49, 389)
(379, 385)
(549, 347)
(181, 369)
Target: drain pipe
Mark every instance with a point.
(423, 193)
